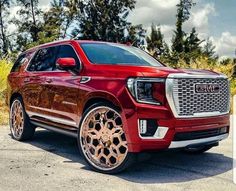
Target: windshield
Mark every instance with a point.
(109, 53)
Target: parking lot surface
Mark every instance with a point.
(51, 162)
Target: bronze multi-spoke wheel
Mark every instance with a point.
(102, 139)
(20, 127)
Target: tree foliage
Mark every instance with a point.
(209, 50)
(28, 22)
(155, 42)
(104, 20)
(136, 36)
(4, 12)
(183, 14)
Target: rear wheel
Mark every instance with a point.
(20, 126)
(102, 140)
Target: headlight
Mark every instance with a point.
(147, 90)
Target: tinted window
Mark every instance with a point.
(21, 60)
(108, 53)
(44, 60)
(66, 51)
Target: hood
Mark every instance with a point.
(142, 71)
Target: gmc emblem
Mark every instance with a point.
(207, 88)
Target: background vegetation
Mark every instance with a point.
(5, 68)
(102, 20)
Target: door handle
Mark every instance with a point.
(48, 80)
(27, 80)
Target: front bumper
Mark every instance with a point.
(195, 142)
(132, 112)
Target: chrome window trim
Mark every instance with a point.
(55, 45)
(182, 144)
(170, 98)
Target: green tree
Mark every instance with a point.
(52, 21)
(155, 42)
(4, 12)
(183, 14)
(70, 12)
(56, 21)
(192, 48)
(208, 50)
(29, 22)
(103, 19)
(136, 35)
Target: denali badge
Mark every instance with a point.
(207, 88)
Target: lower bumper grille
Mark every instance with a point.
(183, 136)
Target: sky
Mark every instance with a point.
(213, 19)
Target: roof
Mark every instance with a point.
(63, 41)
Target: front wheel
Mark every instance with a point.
(102, 140)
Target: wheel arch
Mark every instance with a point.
(13, 96)
(101, 97)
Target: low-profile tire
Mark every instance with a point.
(20, 126)
(102, 141)
(199, 150)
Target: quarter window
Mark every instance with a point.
(19, 62)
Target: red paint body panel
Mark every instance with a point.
(60, 94)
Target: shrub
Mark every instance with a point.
(5, 67)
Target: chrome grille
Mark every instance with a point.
(188, 103)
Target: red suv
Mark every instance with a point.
(116, 100)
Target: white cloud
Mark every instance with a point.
(154, 11)
(200, 18)
(13, 14)
(225, 44)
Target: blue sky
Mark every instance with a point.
(225, 18)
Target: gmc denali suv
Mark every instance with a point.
(116, 100)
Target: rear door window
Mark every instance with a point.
(44, 60)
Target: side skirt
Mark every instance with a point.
(55, 129)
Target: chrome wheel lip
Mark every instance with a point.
(81, 144)
(13, 128)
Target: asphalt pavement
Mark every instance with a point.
(52, 162)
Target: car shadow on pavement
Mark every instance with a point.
(161, 167)
(172, 167)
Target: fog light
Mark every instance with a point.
(161, 132)
(223, 130)
(142, 126)
(149, 129)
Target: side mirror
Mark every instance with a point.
(66, 63)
